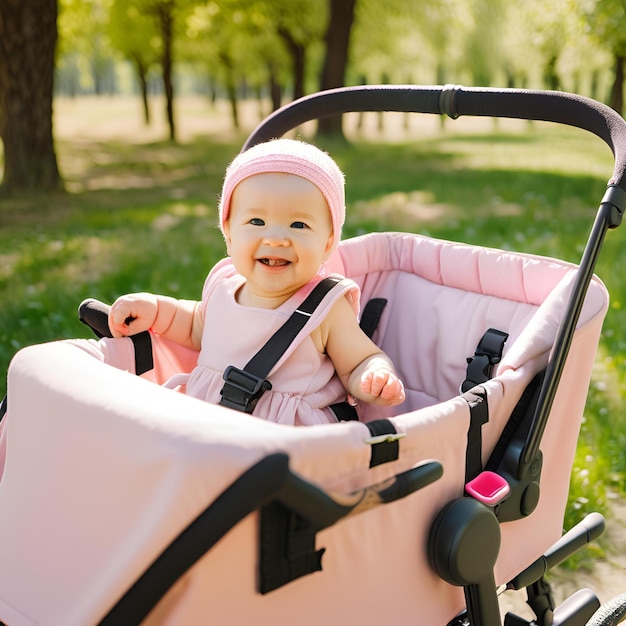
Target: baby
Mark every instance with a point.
(281, 213)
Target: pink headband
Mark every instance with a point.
(289, 156)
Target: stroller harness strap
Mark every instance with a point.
(243, 387)
(144, 361)
(385, 446)
(344, 411)
(479, 370)
(479, 415)
(371, 315)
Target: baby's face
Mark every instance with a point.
(279, 232)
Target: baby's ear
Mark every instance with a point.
(328, 250)
(226, 232)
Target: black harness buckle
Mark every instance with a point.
(488, 353)
(242, 389)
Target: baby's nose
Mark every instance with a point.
(276, 236)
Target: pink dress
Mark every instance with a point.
(304, 382)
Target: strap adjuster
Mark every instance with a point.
(242, 389)
(488, 353)
(384, 442)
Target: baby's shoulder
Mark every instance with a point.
(340, 316)
(222, 271)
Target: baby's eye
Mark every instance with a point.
(257, 221)
(299, 225)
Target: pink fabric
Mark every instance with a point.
(439, 288)
(288, 156)
(169, 358)
(103, 469)
(304, 382)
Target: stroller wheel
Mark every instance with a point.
(610, 613)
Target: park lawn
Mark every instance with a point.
(142, 217)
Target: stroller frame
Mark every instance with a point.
(467, 516)
(465, 522)
(455, 101)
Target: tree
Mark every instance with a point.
(216, 31)
(165, 21)
(484, 44)
(165, 14)
(606, 20)
(377, 37)
(28, 36)
(83, 49)
(336, 60)
(263, 45)
(136, 44)
(299, 26)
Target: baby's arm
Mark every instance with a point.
(376, 378)
(366, 372)
(177, 320)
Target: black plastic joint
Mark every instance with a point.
(615, 197)
(447, 101)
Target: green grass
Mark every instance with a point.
(143, 217)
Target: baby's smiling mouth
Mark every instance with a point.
(274, 262)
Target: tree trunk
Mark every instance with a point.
(299, 67)
(276, 93)
(298, 61)
(28, 35)
(232, 99)
(551, 75)
(167, 27)
(142, 75)
(336, 60)
(231, 87)
(617, 90)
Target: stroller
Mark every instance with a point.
(124, 502)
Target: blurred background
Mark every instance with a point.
(274, 51)
(118, 118)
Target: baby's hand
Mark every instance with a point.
(384, 385)
(132, 314)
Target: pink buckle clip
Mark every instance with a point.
(488, 487)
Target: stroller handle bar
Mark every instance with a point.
(526, 104)
(456, 101)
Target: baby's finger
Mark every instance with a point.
(119, 317)
(366, 382)
(393, 391)
(377, 382)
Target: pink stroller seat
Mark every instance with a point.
(108, 479)
(115, 467)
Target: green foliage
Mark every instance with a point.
(142, 41)
(85, 56)
(564, 43)
(606, 19)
